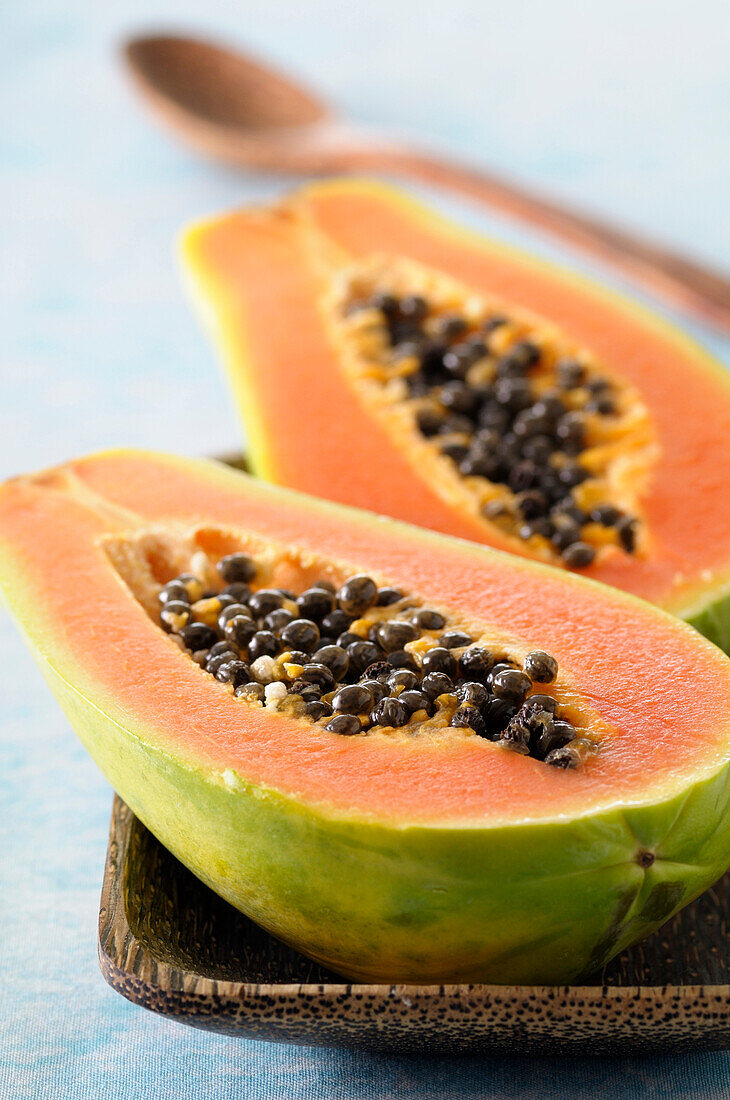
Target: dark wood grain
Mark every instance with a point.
(171, 945)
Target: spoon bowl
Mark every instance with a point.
(231, 106)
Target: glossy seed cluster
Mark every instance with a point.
(361, 657)
(504, 411)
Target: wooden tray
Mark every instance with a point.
(168, 943)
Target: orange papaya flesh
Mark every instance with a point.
(365, 852)
(266, 280)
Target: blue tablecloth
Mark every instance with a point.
(624, 107)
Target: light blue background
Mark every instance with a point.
(623, 107)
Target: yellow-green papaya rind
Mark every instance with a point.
(713, 620)
(537, 903)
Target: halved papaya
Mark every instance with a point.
(422, 851)
(383, 357)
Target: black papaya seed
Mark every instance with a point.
(357, 594)
(565, 757)
(394, 634)
(319, 675)
(250, 690)
(473, 693)
(231, 611)
(377, 689)
(233, 672)
(390, 712)
(403, 679)
(237, 568)
(316, 603)
(440, 659)
(469, 717)
(346, 725)
(378, 671)
(263, 644)
(316, 709)
(174, 591)
(275, 621)
(427, 619)
(336, 622)
(511, 684)
(578, 555)
(455, 639)
(540, 667)
(554, 735)
(335, 658)
(239, 631)
(361, 654)
(414, 700)
(400, 658)
(352, 699)
(476, 663)
(301, 634)
(264, 601)
(198, 636)
(543, 702)
(388, 596)
(435, 684)
(175, 615)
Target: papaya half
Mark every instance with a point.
(419, 852)
(383, 357)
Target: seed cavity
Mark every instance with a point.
(529, 432)
(363, 659)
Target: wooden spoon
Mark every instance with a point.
(237, 110)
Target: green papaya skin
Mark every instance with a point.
(538, 904)
(713, 621)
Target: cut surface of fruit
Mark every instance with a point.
(382, 357)
(425, 851)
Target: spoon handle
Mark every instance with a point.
(671, 276)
